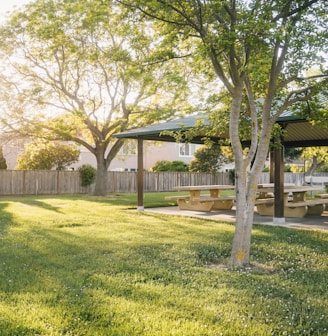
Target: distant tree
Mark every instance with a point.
(293, 154)
(317, 157)
(208, 159)
(173, 166)
(47, 155)
(324, 169)
(3, 163)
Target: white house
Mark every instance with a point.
(126, 159)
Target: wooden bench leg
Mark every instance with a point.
(196, 206)
(265, 209)
(298, 212)
(315, 210)
(223, 205)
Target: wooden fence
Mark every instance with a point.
(18, 182)
(40, 182)
(295, 178)
(44, 182)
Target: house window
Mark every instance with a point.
(186, 149)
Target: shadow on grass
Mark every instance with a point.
(312, 239)
(36, 202)
(76, 278)
(6, 218)
(118, 283)
(129, 200)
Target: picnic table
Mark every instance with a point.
(296, 203)
(199, 202)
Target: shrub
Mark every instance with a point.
(173, 166)
(208, 159)
(47, 155)
(88, 174)
(3, 163)
(232, 175)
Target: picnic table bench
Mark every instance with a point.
(321, 196)
(196, 201)
(295, 202)
(314, 207)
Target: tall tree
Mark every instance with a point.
(259, 50)
(80, 71)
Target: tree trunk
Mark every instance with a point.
(241, 245)
(101, 178)
(103, 163)
(314, 165)
(247, 172)
(246, 189)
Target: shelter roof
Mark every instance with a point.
(299, 132)
(158, 131)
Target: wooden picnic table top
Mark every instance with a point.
(290, 189)
(206, 187)
(271, 185)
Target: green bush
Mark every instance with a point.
(46, 155)
(88, 174)
(173, 166)
(3, 163)
(207, 159)
(232, 175)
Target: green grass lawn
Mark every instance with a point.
(83, 265)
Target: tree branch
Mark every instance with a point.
(286, 13)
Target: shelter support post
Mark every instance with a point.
(271, 166)
(278, 182)
(140, 184)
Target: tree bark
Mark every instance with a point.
(101, 178)
(247, 172)
(314, 165)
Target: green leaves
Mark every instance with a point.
(3, 162)
(88, 68)
(208, 159)
(88, 174)
(42, 155)
(173, 166)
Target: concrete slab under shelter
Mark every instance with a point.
(308, 222)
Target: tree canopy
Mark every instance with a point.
(81, 71)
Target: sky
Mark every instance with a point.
(9, 5)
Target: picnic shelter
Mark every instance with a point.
(298, 132)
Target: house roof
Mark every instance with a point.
(299, 132)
